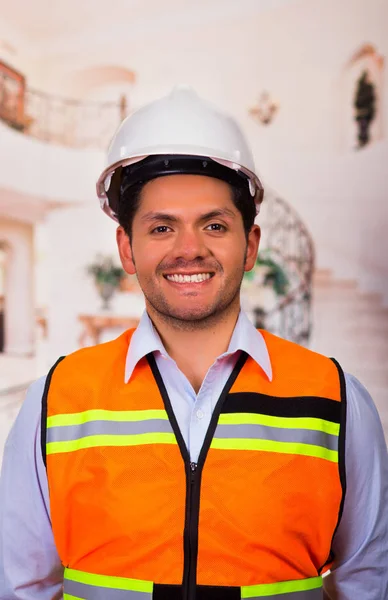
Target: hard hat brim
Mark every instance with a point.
(119, 177)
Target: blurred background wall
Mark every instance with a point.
(88, 64)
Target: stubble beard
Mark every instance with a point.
(186, 319)
(225, 303)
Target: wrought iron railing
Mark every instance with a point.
(290, 245)
(59, 120)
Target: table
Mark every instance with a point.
(94, 325)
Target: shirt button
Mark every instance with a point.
(200, 414)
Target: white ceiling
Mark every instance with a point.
(52, 23)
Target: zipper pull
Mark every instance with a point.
(193, 469)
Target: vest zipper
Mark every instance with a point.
(193, 469)
(191, 530)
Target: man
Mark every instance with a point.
(194, 458)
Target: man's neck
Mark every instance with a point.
(195, 349)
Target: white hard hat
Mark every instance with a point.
(182, 126)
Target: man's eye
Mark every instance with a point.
(216, 227)
(160, 229)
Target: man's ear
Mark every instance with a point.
(125, 251)
(252, 247)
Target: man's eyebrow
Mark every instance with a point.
(219, 212)
(152, 216)
(158, 216)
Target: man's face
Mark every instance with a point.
(188, 247)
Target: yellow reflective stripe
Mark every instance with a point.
(69, 597)
(284, 587)
(93, 441)
(117, 583)
(105, 415)
(285, 423)
(271, 446)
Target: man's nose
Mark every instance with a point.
(189, 245)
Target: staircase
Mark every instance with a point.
(352, 327)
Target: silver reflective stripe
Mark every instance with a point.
(64, 433)
(316, 594)
(277, 434)
(92, 592)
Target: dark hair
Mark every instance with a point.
(129, 203)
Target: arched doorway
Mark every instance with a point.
(17, 281)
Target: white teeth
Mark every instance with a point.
(196, 278)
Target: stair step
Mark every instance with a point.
(354, 314)
(323, 283)
(375, 329)
(324, 339)
(369, 375)
(346, 297)
(377, 352)
(343, 295)
(322, 275)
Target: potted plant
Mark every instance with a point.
(264, 284)
(107, 277)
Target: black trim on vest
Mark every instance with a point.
(167, 405)
(341, 455)
(43, 424)
(275, 406)
(193, 485)
(203, 592)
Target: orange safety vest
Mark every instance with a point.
(134, 519)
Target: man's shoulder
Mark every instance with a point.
(303, 368)
(99, 353)
(286, 347)
(86, 365)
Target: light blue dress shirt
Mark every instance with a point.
(30, 568)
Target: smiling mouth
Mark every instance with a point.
(195, 278)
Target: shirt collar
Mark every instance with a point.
(246, 337)
(145, 339)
